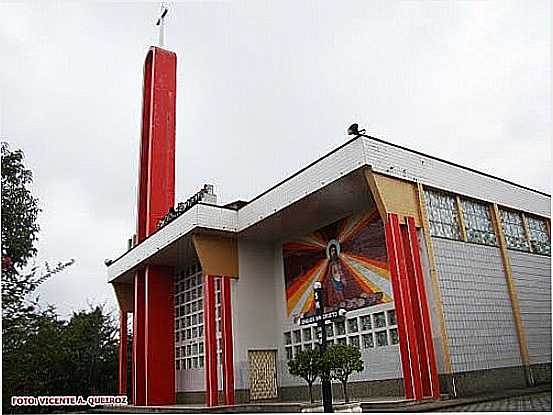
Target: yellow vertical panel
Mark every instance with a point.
(496, 218)
(526, 231)
(218, 255)
(461, 217)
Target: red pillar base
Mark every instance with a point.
(138, 345)
(211, 384)
(227, 341)
(159, 333)
(415, 337)
(122, 353)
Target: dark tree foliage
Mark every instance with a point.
(342, 361)
(41, 353)
(19, 210)
(57, 357)
(307, 365)
(19, 234)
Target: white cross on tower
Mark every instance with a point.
(161, 23)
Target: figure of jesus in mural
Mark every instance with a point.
(335, 281)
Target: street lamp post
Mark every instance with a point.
(326, 386)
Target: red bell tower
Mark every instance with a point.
(153, 367)
(153, 348)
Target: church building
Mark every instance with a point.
(444, 273)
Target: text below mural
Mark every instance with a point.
(348, 257)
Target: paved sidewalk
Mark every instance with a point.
(511, 398)
(540, 402)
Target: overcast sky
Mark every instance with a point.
(263, 89)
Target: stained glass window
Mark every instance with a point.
(442, 215)
(514, 230)
(478, 222)
(539, 237)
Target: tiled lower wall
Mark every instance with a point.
(532, 278)
(477, 308)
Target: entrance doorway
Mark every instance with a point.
(263, 374)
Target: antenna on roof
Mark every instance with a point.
(161, 23)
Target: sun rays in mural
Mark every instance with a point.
(348, 257)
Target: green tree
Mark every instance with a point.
(343, 360)
(20, 229)
(307, 365)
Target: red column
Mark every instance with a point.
(210, 334)
(434, 384)
(159, 334)
(400, 312)
(398, 269)
(122, 352)
(153, 348)
(156, 184)
(227, 341)
(138, 345)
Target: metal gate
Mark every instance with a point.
(263, 374)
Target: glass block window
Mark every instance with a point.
(394, 338)
(366, 322)
(289, 353)
(478, 222)
(364, 332)
(329, 330)
(514, 230)
(352, 325)
(354, 341)
(539, 237)
(379, 320)
(392, 318)
(340, 328)
(287, 338)
(368, 341)
(189, 349)
(442, 215)
(381, 338)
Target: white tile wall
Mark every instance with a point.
(532, 278)
(478, 314)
